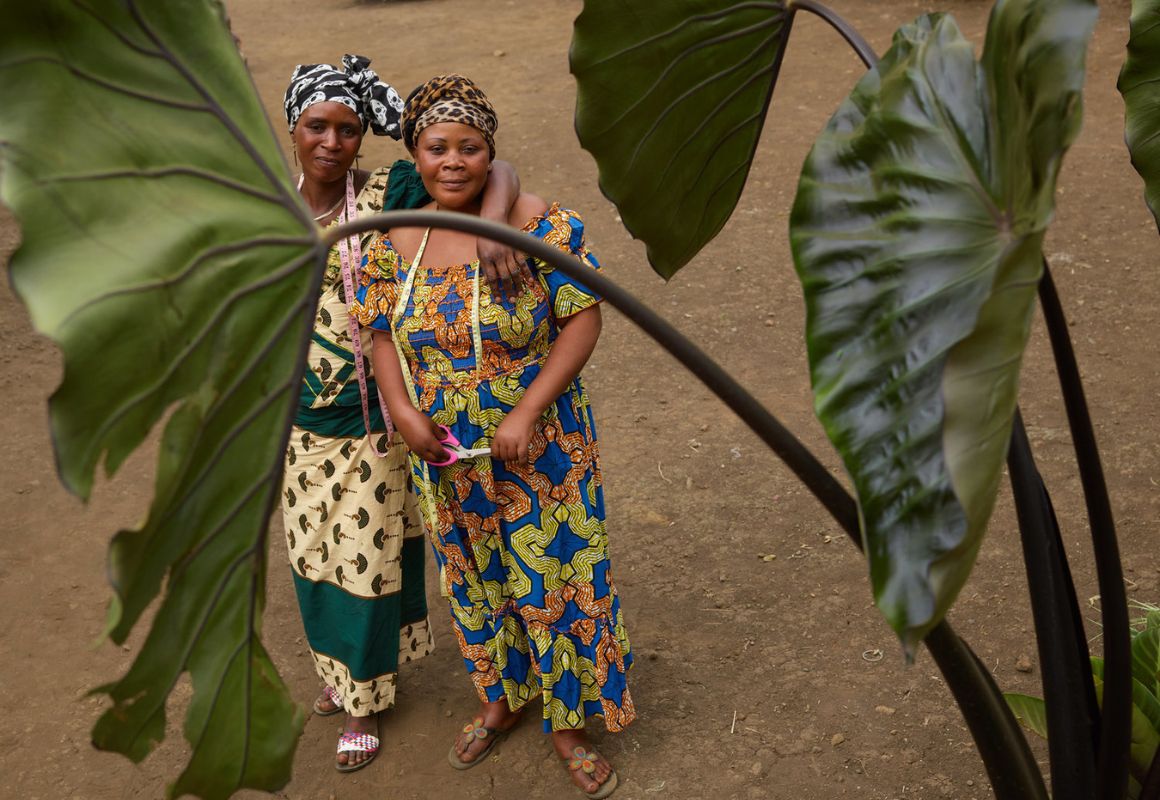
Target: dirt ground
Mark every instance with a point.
(763, 671)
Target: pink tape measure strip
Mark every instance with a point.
(350, 253)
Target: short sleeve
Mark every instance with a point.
(398, 186)
(378, 287)
(564, 229)
(404, 188)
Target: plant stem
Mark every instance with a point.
(1115, 734)
(796, 456)
(1068, 688)
(1007, 758)
(1006, 755)
(845, 29)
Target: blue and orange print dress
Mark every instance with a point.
(522, 549)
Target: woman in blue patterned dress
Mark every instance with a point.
(519, 535)
(352, 526)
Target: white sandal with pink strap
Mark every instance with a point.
(334, 697)
(351, 742)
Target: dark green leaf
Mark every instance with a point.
(1140, 85)
(916, 233)
(166, 253)
(671, 100)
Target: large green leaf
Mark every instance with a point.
(1145, 738)
(1140, 85)
(671, 100)
(1030, 711)
(916, 233)
(166, 253)
(1146, 659)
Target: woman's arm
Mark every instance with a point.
(569, 354)
(419, 431)
(504, 268)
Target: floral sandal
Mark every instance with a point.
(335, 699)
(351, 742)
(475, 730)
(585, 761)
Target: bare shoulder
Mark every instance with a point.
(361, 176)
(526, 207)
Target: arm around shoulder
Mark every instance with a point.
(527, 207)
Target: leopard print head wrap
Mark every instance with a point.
(449, 98)
(355, 85)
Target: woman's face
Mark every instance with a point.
(327, 138)
(453, 160)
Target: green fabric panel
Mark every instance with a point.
(338, 420)
(362, 633)
(413, 595)
(404, 188)
(312, 385)
(336, 349)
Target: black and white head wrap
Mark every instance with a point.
(356, 86)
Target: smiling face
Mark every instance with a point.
(453, 160)
(327, 138)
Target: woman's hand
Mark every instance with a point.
(504, 269)
(421, 435)
(512, 442)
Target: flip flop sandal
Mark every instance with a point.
(475, 730)
(585, 761)
(331, 695)
(351, 742)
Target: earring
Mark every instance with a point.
(356, 162)
(294, 152)
(489, 167)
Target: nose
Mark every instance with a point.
(330, 139)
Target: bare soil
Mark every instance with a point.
(763, 671)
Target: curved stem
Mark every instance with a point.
(1116, 725)
(1001, 744)
(845, 29)
(795, 455)
(1006, 755)
(1068, 688)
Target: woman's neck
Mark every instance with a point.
(322, 197)
(470, 207)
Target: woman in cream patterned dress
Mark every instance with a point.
(352, 528)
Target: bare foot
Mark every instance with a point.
(324, 705)
(368, 724)
(496, 717)
(566, 743)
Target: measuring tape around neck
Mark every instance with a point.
(430, 512)
(350, 253)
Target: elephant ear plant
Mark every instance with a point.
(917, 234)
(167, 253)
(1145, 727)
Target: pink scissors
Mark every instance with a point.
(455, 449)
